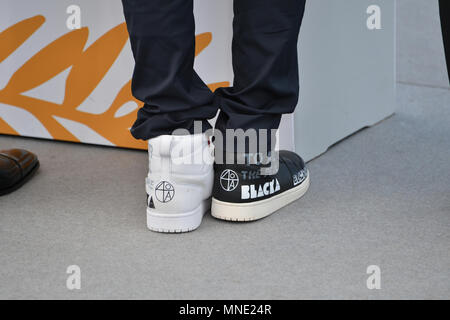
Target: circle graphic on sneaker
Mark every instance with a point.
(229, 180)
(164, 191)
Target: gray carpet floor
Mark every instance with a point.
(380, 197)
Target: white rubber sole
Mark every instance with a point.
(259, 209)
(177, 223)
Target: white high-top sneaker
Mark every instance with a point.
(179, 182)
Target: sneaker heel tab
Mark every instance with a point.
(160, 146)
(165, 146)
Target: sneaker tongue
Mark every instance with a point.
(250, 159)
(243, 141)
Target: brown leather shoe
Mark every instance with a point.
(17, 166)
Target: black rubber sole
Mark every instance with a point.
(21, 182)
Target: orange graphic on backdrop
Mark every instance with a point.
(89, 67)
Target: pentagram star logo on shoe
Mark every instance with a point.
(229, 180)
(164, 191)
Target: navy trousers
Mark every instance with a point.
(444, 7)
(264, 48)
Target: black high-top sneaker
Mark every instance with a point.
(242, 193)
